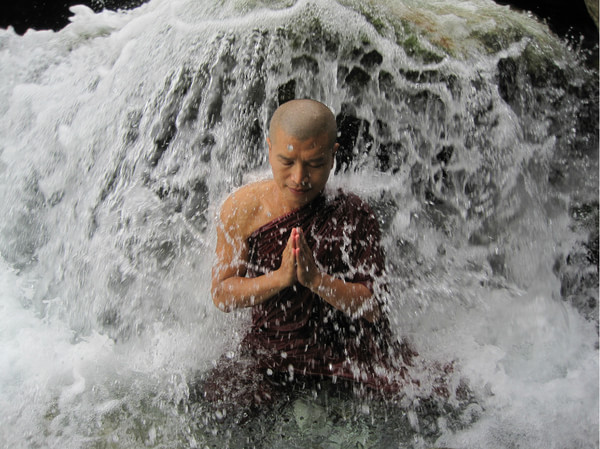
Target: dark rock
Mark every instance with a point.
(357, 77)
(565, 20)
(443, 157)
(371, 59)
(391, 156)
(586, 218)
(286, 92)
(350, 131)
(507, 79)
(165, 128)
(197, 203)
(306, 62)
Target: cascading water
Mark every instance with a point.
(469, 128)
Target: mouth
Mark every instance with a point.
(299, 191)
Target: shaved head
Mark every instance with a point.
(303, 119)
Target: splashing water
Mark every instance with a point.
(469, 128)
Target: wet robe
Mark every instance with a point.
(298, 333)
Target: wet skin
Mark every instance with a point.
(300, 170)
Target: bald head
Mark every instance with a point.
(303, 119)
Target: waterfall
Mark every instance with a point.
(468, 127)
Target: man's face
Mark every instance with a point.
(300, 167)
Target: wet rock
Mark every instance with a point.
(586, 218)
(578, 271)
(305, 62)
(165, 127)
(386, 83)
(351, 131)
(390, 157)
(431, 77)
(286, 92)
(498, 264)
(414, 49)
(357, 77)
(575, 19)
(203, 146)
(342, 72)
(507, 79)
(191, 104)
(443, 157)
(197, 204)
(371, 60)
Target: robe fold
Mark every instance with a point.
(298, 332)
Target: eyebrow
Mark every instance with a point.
(317, 159)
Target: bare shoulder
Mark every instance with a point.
(244, 210)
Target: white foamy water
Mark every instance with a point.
(121, 134)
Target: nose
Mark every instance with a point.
(300, 174)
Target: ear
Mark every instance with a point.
(333, 152)
(269, 144)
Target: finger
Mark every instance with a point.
(297, 234)
(291, 243)
(303, 244)
(300, 240)
(289, 251)
(304, 256)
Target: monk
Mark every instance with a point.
(309, 263)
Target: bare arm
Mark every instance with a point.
(230, 288)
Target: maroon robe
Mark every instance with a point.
(296, 334)
(296, 331)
